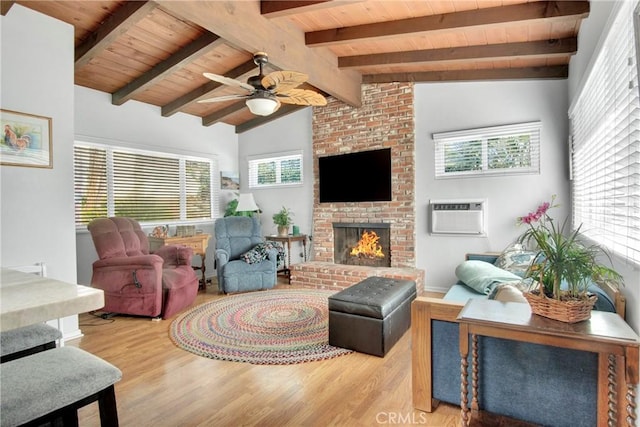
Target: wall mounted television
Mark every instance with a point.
(364, 176)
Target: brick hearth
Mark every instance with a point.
(327, 275)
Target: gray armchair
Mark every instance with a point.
(235, 236)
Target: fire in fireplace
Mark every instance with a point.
(365, 244)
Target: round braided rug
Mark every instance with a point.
(274, 327)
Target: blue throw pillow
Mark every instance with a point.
(483, 276)
(516, 259)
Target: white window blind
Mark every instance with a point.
(497, 150)
(605, 122)
(284, 169)
(148, 186)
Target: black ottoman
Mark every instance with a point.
(371, 316)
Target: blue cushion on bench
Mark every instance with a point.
(482, 276)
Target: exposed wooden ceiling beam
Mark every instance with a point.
(223, 113)
(448, 21)
(279, 8)
(286, 109)
(548, 48)
(241, 24)
(128, 15)
(206, 43)
(553, 72)
(208, 89)
(5, 6)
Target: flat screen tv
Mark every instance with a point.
(364, 176)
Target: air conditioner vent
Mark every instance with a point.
(458, 217)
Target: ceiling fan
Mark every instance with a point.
(266, 93)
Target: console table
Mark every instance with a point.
(288, 239)
(197, 242)
(605, 333)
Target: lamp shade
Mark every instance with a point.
(246, 203)
(261, 106)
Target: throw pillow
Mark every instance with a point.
(254, 255)
(515, 259)
(482, 276)
(506, 292)
(260, 252)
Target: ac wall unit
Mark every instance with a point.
(458, 217)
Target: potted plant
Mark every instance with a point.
(283, 220)
(564, 267)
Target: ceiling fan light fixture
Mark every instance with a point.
(262, 106)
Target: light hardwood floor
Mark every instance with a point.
(163, 385)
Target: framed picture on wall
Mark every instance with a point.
(229, 180)
(26, 140)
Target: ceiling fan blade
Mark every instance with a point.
(281, 81)
(302, 97)
(277, 106)
(229, 82)
(224, 98)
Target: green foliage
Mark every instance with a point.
(267, 173)
(564, 255)
(283, 217)
(291, 171)
(231, 208)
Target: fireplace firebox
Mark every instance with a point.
(366, 244)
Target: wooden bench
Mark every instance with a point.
(52, 385)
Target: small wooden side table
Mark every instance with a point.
(197, 242)
(605, 333)
(288, 239)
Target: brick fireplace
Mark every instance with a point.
(385, 120)
(365, 244)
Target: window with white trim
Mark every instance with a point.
(152, 187)
(605, 134)
(284, 169)
(497, 150)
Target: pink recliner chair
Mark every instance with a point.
(135, 281)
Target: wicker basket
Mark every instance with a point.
(571, 311)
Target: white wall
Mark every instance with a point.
(442, 107)
(290, 133)
(139, 125)
(588, 39)
(37, 204)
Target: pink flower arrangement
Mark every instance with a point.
(540, 213)
(562, 255)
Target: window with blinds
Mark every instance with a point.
(498, 150)
(275, 170)
(605, 122)
(150, 187)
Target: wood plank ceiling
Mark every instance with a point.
(156, 51)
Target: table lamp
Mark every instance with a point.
(246, 204)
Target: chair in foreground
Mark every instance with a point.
(50, 387)
(134, 281)
(244, 262)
